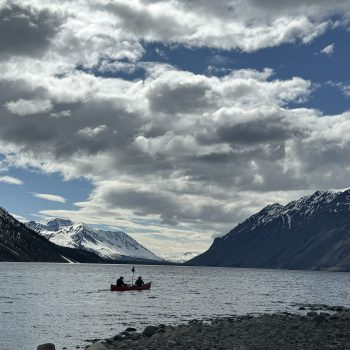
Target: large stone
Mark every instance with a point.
(312, 314)
(149, 331)
(97, 346)
(131, 329)
(47, 346)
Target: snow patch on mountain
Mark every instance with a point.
(107, 244)
(333, 200)
(180, 258)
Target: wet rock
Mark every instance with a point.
(97, 346)
(47, 346)
(131, 329)
(312, 314)
(149, 331)
(321, 318)
(135, 336)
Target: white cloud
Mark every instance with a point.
(94, 34)
(50, 197)
(19, 217)
(328, 50)
(11, 180)
(28, 107)
(92, 132)
(61, 114)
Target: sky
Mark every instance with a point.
(173, 120)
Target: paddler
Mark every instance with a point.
(139, 282)
(120, 282)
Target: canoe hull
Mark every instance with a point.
(115, 288)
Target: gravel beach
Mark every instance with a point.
(328, 328)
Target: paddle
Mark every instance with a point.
(133, 272)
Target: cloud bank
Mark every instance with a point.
(175, 153)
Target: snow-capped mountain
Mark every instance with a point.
(312, 232)
(107, 244)
(20, 243)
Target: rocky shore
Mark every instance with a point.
(326, 328)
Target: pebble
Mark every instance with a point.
(47, 346)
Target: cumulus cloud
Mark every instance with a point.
(109, 33)
(50, 197)
(26, 30)
(11, 180)
(92, 132)
(167, 157)
(28, 107)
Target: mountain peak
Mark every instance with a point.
(56, 223)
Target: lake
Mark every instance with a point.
(68, 304)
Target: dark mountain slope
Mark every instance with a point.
(310, 233)
(19, 243)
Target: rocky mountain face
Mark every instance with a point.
(106, 244)
(310, 233)
(20, 243)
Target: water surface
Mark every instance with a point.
(69, 304)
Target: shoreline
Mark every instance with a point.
(315, 327)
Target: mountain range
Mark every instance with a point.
(311, 233)
(109, 245)
(62, 240)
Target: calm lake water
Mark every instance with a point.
(68, 304)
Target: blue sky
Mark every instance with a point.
(171, 120)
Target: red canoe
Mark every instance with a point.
(115, 288)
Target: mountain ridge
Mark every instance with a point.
(312, 232)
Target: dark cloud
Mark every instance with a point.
(178, 97)
(26, 31)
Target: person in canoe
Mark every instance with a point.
(120, 282)
(139, 282)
